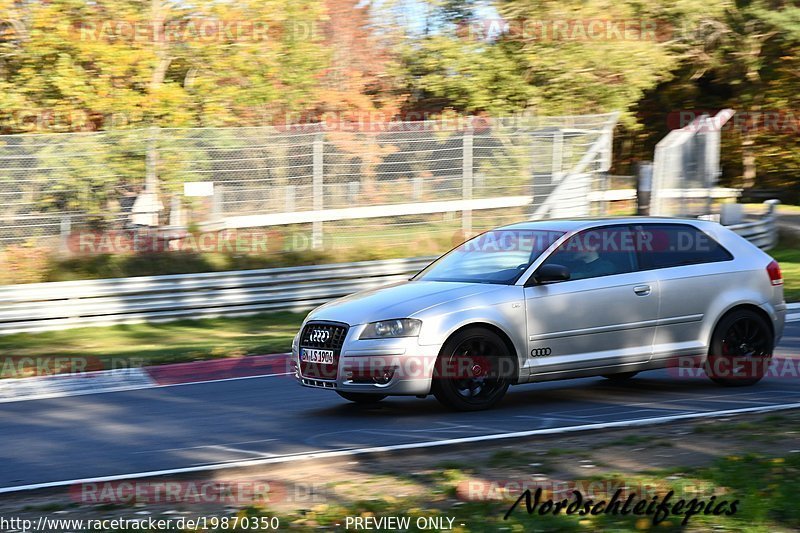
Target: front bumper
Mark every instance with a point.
(399, 366)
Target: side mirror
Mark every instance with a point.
(549, 273)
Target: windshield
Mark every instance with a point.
(497, 256)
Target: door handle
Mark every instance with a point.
(642, 290)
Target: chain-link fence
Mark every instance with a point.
(329, 184)
(48, 183)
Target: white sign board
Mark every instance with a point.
(198, 188)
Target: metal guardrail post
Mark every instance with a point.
(772, 216)
(772, 205)
(762, 232)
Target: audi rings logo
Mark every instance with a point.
(539, 352)
(319, 335)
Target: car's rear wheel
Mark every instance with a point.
(361, 397)
(741, 349)
(620, 377)
(473, 371)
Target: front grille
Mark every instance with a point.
(325, 336)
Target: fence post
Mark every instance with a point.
(352, 191)
(147, 206)
(217, 203)
(289, 198)
(644, 187)
(65, 230)
(416, 187)
(317, 188)
(151, 170)
(466, 186)
(557, 164)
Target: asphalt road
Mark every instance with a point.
(201, 424)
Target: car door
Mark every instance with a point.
(605, 314)
(691, 268)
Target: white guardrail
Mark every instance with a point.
(763, 232)
(69, 304)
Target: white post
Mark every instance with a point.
(317, 189)
(217, 203)
(466, 188)
(416, 193)
(176, 218)
(352, 191)
(66, 229)
(289, 198)
(151, 173)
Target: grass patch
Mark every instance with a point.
(505, 458)
(560, 452)
(171, 342)
(630, 440)
(765, 488)
(729, 427)
(789, 258)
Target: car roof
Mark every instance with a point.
(575, 224)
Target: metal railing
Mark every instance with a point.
(763, 231)
(70, 304)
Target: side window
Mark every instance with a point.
(597, 252)
(671, 245)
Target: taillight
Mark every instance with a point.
(774, 272)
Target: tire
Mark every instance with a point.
(361, 397)
(620, 377)
(473, 370)
(741, 349)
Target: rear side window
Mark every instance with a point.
(671, 245)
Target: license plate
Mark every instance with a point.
(311, 355)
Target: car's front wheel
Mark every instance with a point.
(741, 349)
(361, 397)
(473, 371)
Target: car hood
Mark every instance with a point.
(400, 300)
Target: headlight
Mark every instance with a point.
(386, 329)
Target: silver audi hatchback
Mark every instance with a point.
(557, 299)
